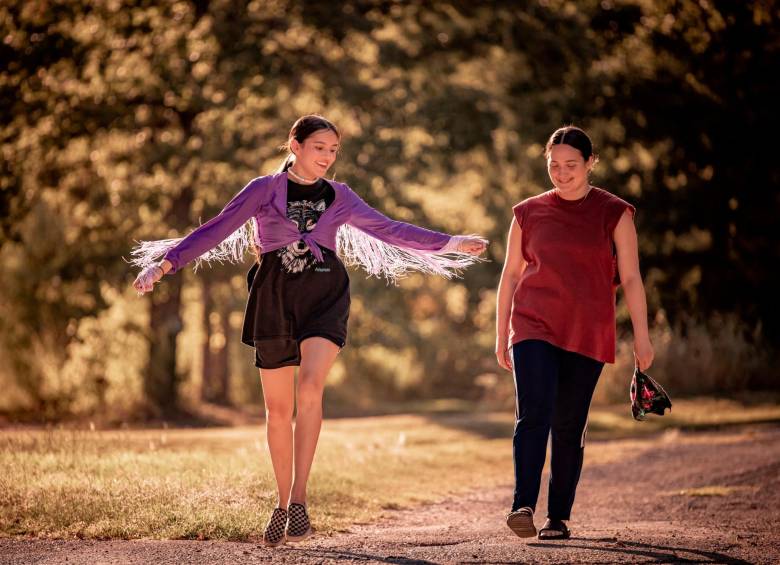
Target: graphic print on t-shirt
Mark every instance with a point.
(296, 257)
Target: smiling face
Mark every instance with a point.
(315, 155)
(567, 168)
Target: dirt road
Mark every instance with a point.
(677, 498)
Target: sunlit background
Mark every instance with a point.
(124, 121)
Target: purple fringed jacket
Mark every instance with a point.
(359, 233)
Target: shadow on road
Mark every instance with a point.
(661, 553)
(620, 549)
(347, 555)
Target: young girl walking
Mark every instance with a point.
(569, 248)
(305, 229)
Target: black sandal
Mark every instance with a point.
(521, 522)
(554, 529)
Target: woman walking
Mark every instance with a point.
(568, 250)
(298, 306)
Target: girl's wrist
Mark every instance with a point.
(453, 244)
(165, 266)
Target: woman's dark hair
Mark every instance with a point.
(574, 136)
(302, 129)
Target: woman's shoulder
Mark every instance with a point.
(612, 203)
(612, 207)
(609, 197)
(537, 199)
(526, 206)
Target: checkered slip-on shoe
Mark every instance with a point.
(521, 522)
(298, 524)
(274, 529)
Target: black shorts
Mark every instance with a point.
(284, 309)
(278, 353)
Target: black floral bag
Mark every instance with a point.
(647, 396)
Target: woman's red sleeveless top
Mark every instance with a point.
(566, 293)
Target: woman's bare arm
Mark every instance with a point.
(514, 264)
(634, 290)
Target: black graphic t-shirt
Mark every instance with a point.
(292, 296)
(305, 205)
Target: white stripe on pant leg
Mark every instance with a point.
(587, 418)
(584, 431)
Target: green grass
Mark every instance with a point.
(217, 482)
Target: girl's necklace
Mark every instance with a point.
(302, 180)
(578, 201)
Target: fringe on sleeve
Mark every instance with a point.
(231, 250)
(380, 259)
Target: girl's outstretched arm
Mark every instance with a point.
(179, 252)
(391, 248)
(394, 232)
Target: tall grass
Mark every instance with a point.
(720, 357)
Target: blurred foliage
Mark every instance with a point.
(128, 120)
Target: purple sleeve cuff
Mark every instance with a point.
(171, 257)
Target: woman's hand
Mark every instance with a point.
(503, 353)
(643, 353)
(145, 280)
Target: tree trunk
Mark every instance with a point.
(206, 385)
(160, 376)
(221, 355)
(216, 361)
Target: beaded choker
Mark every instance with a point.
(298, 178)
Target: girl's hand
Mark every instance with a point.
(643, 354)
(471, 244)
(145, 280)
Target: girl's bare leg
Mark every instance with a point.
(317, 357)
(279, 396)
